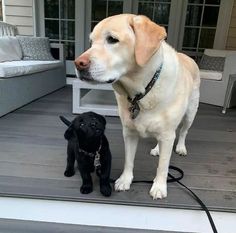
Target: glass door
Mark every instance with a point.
(60, 24)
(200, 24)
(97, 10)
(156, 10)
(63, 22)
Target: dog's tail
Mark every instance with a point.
(65, 121)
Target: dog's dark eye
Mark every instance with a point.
(81, 124)
(112, 40)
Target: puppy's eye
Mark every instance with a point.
(112, 40)
(81, 124)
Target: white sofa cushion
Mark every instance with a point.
(18, 68)
(210, 74)
(10, 49)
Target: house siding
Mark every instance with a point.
(20, 13)
(231, 40)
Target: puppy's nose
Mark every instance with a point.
(93, 124)
(82, 62)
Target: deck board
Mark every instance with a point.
(19, 226)
(33, 158)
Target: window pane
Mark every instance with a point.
(115, 8)
(210, 16)
(146, 9)
(162, 12)
(157, 1)
(68, 30)
(196, 1)
(190, 37)
(69, 50)
(67, 9)
(51, 8)
(52, 29)
(207, 38)
(163, 1)
(213, 2)
(98, 9)
(193, 17)
(93, 24)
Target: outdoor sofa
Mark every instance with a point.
(27, 68)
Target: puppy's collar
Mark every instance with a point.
(134, 108)
(95, 155)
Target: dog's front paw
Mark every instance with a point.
(86, 188)
(158, 190)
(124, 182)
(69, 172)
(106, 190)
(181, 150)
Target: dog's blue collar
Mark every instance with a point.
(134, 108)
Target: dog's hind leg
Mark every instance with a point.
(70, 171)
(155, 150)
(187, 122)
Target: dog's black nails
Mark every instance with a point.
(106, 190)
(86, 188)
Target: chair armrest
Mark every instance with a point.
(57, 51)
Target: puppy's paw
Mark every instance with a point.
(86, 188)
(158, 190)
(106, 190)
(181, 150)
(124, 182)
(69, 172)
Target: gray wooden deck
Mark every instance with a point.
(19, 226)
(33, 158)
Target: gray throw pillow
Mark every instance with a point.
(212, 63)
(35, 48)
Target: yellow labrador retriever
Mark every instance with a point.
(156, 88)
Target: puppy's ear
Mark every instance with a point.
(148, 37)
(69, 133)
(101, 118)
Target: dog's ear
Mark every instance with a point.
(103, 120)
(69, 133)
(100, 117)
(148, 37)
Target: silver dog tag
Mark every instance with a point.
(134, 110)
(97, 162)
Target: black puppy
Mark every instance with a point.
(88, 144)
